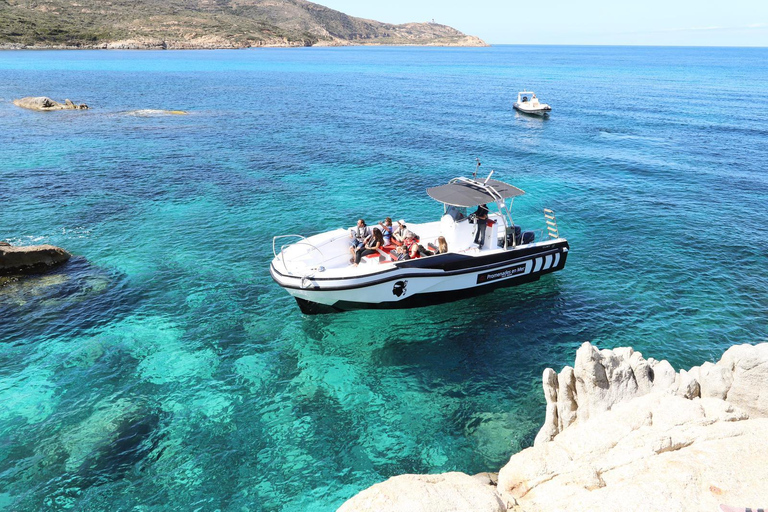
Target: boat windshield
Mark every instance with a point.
(456, 212)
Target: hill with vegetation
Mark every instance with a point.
(203, 24)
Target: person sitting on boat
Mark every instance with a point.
(411, 245)
(409, 248)
(359, 235)
(398, 236)
(442, 248)
(481, 219)
(372, 246)
(386, 230)
(442, 245)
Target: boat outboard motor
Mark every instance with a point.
(516, 239)
(528, 237)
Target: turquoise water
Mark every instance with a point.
(163, 369)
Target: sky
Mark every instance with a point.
(608, 22)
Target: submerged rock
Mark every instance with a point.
(30, 259)
(43, 103)
(149, 112)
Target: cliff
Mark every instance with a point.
(203, 24)
(623, 433)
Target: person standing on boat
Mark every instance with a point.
(359, 234)
(481, 219)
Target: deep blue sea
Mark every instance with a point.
(162, 369)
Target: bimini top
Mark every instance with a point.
(468, 192)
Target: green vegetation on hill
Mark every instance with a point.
(202, 24)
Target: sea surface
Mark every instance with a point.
(162, 369)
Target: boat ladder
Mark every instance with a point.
(549, 216)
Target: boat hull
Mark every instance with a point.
(532, 111)
(425, 281)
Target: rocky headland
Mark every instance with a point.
(203, 24)
(30, 259)
(621, 433)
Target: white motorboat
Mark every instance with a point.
(528, 103)
(317, 271)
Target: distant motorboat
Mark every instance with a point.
(528, 103)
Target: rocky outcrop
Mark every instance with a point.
(30, 259)
(448, 492)
(621, 429)
(625, 433)
(42, 103)
(658, 452)
(601, 379)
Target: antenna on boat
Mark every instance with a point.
(474, 174)
(489, 177)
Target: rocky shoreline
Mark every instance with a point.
(221, 44)
(621, 433)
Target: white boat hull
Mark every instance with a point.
(423, 281)
(540, 111)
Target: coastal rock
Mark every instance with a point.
(685, 454)
(749, 367)
(44, 104)
(604, 378)
(643, 429)
(30, 259)
(551, 422)
(447, 492)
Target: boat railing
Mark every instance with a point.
(276, 238)
(301, 241)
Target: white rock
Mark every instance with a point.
(691, 457)
(550, 428)
(448, 492)
(715, 380)
(566, 398)
(663, 375)
(750, 372)
(642, 372)
(687, 385)
(603, 378)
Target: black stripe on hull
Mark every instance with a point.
(425, 299)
